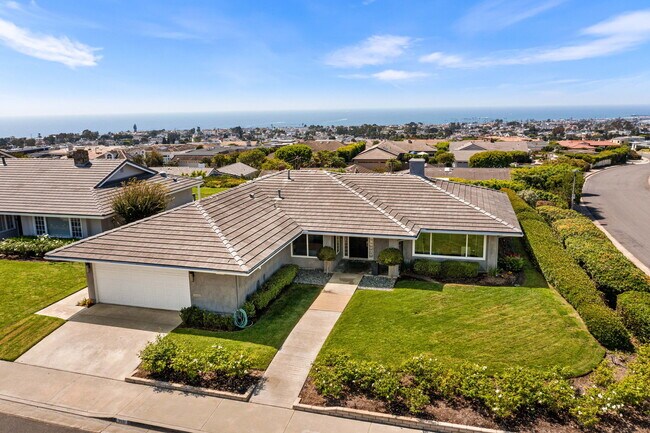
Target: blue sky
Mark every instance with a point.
(113, 56)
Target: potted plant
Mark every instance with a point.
(327, 255)
(391, 257)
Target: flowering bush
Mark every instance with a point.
(511, 263)
(27, 247)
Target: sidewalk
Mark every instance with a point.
(287, 372)
(117, 401)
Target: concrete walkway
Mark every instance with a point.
(286, 375)
(115, 400)
(66, 307)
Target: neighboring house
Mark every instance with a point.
(71, 198)
(214, 252)
(186, 171)
(237, 169)
(464, 150)
(586, 145)
(375, 157)
(627, 139)
(319, 145)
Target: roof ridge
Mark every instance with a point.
(465, 202)
(215, 228)
(371, 203)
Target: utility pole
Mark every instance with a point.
(573, 188)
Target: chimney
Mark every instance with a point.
(81, 158)
(416, 166)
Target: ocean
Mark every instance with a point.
(45, 125)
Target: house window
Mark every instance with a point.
(7, 223)
(39, 224)
(307, 245)
(75, 228)
(450, 245)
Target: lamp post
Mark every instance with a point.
(573, 188)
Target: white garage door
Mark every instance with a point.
(142, 286)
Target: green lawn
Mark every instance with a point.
(262, 340)
(28, 286)
(207, 191)
(492, 326)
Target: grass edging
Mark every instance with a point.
(394, 420)
(191, 389)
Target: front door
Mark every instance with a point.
(358, 248)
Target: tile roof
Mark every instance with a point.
(467, 173)
(237, 169)
(237, 230)
(58, 187)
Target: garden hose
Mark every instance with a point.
(241, 318)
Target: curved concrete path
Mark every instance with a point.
(288, 371)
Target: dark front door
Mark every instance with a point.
(358, 248)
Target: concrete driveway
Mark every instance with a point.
(103, 340)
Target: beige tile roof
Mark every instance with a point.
(237, 230)
(58, 187)
(467, 173)
(237, 169)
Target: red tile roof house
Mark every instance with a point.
(71, 198)
(214, 252)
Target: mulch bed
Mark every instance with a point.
(463, 412)
(211, 381)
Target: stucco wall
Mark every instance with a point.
(181, 197)
(225, 293)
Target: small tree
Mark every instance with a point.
(254, 158)
(446, 158)
(393, 165)
(139, 199)
(327, 255)
(154, 159)
(297, 155)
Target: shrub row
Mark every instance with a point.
(634, 308)
(492, 183)
(167, 360)
(28, 247)
(351, 150)
(449, 269)
(508, 394)
(608, 267)
(618, 155)
(570, 280)
(498, 158)
(272, 288)
(532, 196)
(195, 317)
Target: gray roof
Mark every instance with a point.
(467, 173)
(237, 169)
(58, 187)
(392, 149)
(237, 230)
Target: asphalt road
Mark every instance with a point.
(619, 198)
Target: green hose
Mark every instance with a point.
(241, 318)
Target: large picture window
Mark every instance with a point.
(58, 227)
(307, 245)
(450, 245)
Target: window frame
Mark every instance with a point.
(41, 220)
(307, 245)
(483, 257)
(7, 223)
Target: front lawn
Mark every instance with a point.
(27, 287)
(492, 326)
(207, 191)
(262, 340)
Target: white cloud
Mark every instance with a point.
(615, 35)
(389, 75)
(375, 50)
(497, 14)
(55, 49)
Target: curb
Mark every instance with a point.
(393, 420)
(133, 422)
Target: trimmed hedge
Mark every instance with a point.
(390, 257)
(27, 246)
(577, 227)
(570, 280)
(454, 269)
(552, 213)
(273, 286)
(532, 196)
(351, 150)
(498, 158)
(430, 268)
(492, 183)
(634, 308)
(195, 317)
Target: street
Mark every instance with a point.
(16, 424)
(619, 199)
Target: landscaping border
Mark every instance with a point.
(245, 397)
(394, 420)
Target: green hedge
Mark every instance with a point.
(578, 227)
(553, 213)
(27, 246)
(390, 257)
(430, 268)
(634, 308)
(454, 269)
(532, 196)
(273, 286)
(492, 183)
(195, 317)
(570, 280)
(498, 158)
(351, 150)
